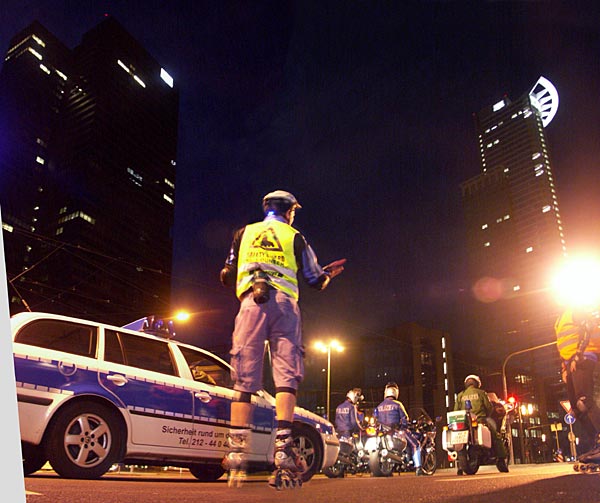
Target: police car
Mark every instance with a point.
(91, 395)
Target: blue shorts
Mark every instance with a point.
(277, 321)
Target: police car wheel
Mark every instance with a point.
(84, 440)
(308, 445)
(207, 473)
(33, 458)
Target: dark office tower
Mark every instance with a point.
(33, 89)
(108, 246)
(514, 231)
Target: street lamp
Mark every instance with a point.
(326, 348)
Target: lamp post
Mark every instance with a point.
(326, 348)
(505, 390)
(553, 343)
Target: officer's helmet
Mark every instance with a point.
(355, 395)
(391, 390)
(279, 202)
(472, 380)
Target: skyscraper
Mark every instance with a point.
(88, 179)
(515, 235)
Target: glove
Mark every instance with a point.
(335, 268)
(573, 364)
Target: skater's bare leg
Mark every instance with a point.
(238, 439)
(289, 466)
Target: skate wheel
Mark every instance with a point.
(576, 467)
(236, 478)
(279, 482)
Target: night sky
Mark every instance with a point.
(363, 110)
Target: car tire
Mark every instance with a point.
(308, 445)
(84, 440)
(33, 458)
(207, 473)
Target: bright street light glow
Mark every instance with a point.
(182, 316)
(333, 344)
(578, 283)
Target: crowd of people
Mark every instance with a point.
(263, 265)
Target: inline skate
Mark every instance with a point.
(289, 466)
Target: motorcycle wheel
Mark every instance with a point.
(378, 467)
(468, 462)
(335, 471)
(429, 462)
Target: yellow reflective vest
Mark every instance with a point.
(269, 246)
(568, 336)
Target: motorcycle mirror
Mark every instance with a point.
(468, 405)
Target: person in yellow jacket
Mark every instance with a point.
(578, 343)
(263, 266)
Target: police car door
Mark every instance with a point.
(142, 373)
(212, 408)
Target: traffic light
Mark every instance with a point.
(511, 400)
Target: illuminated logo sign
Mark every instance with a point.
(544, 97)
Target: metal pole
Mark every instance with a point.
(572, 442)
(328, 380)
(521, 437)
(505, 388)
(505, 391)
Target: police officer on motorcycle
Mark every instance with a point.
(391, 412)
(347, 416)
(482, 408)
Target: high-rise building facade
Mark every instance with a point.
(87, 188)
(515, 242)
(418, 359)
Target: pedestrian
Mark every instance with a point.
(264, 263)
(578, 343)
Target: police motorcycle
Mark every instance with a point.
(353, 456)
(469, 442)
(394, 453)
